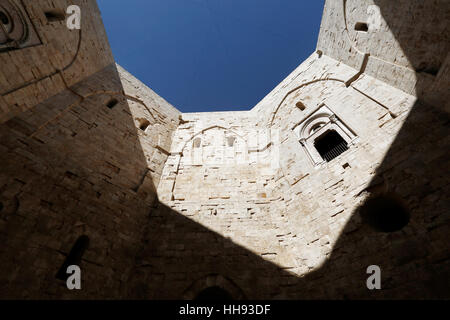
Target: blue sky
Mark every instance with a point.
(211, 55)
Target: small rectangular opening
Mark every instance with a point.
(361, 26)
(143, 124)
(300, 105)
(55, 15)
(112, 103)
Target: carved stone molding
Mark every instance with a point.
(315, 125)
(16, 29)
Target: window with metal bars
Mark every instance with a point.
(330, 145)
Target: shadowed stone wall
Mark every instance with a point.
(175, 203)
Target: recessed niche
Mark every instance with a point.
(384, 214)
(112, 103)
(143, 124)
(323, 136)
(362, 27)
(300, 105)
(317, 127)
(1, 206)
(230, 141)
(55, 15)
(16, 30)
(430, 68)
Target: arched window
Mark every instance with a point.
(300, 105)
(230, 141)
(16, 31)
(384, 214)
(214, 287)
(323, 135)
(74, 257)
(112, 103)
(197, 142)
(143, 124)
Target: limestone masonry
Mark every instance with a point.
(343, 165)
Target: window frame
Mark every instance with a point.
(324, 116)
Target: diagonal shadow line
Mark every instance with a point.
(164, 259)
(415, 261)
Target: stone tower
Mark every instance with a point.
(342, 166)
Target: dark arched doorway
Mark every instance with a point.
(214, 293)
(213, 287)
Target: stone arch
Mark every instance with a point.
(274, 113)
(291, 133)
(30, 33)
(197, 142)
(195, 135)
(83, 98)
(192, 151)
(211, 281)
(311, 124)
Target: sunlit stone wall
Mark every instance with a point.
(175, 203)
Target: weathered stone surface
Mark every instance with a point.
(175, 202)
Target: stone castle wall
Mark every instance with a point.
(175, 203)
(57, 59)
(76, 163)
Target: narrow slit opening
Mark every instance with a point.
(74, 257)
(55, 15)
(361, 26)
